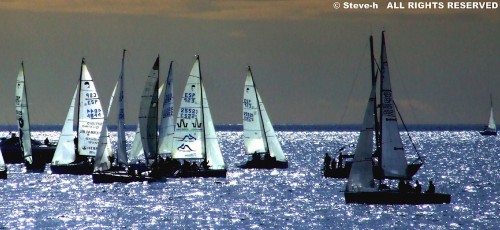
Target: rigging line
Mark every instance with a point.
(407, 132)
(352, 87)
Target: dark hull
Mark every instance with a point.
(120, 176)
(343, 172)
(3, 174)
(12, 154)
(82, 168)
(488, 133)
(35, 167)
(201, 173)
(264, 165)
(395, 197)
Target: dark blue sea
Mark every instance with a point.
(461, 163)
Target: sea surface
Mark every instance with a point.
(461, 163)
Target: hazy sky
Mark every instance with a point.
(310, 61)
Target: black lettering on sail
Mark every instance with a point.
(196, 124)
(182, 124)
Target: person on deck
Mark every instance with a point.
(46, 141)
(431, 188)
(418, 187)
(204, 164)
(327, 162)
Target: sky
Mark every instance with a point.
(310, 61)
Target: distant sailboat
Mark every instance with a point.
(260, 139)
(195, 137)
(361, 186)
(491, 129)
(148, 115)
(90, 119)
(24, 124)
(3, 167)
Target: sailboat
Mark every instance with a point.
(33, 165)
(195, 138)
(22, 149)
(361, 186)
(491, 129)
(148, 119)
(3, 167)
(260, 139)
(68, 160)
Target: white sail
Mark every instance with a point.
(3, 167)
(257, 127)
(361, 174)
(167, 125)
(195, 136)
(491, 123)
(22, 116)
(65, 150)
(121, 152)
(137, 143)
(393, 157)
(91, 115)
(188, 137)
(104, 150)
(148, 115)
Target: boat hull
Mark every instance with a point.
(82, 168)
(3, 174)
(201, 173)
(120, 176)
(395, 197)
(488, 133)
(35, 167)
(13, 154)
(264, 165)
(343, 172)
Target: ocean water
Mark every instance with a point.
(461, 163)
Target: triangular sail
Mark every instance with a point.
(393, 157)
(167, 125)
(104, 151)
(121, 152)
(195, 136)
(22, 116)
(148, 115)
(361, 174)
(189, 133)
(491, 123)
(3, 167)
(257, 127)
(65, 150)
(90, 116)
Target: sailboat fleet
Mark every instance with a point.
(186, 145)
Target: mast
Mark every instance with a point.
(79, 104)
(121, 118)
(157, 85)
(202, 111)
(375, 117)
(266, 146)
(382, 69)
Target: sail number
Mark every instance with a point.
(188, 113)
(247, 116)
(247, 103)
(94, 113)
(189, 97)
(91, 95)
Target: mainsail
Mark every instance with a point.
(121, 152)
(104, 152)
(148, 115)
(91, 115)
(491, 123)
(394, 163)
(361, 174)
(258, 132)
(195, 136)
(22, 116)
(2, 162)
(65, 150)
(167, 125)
